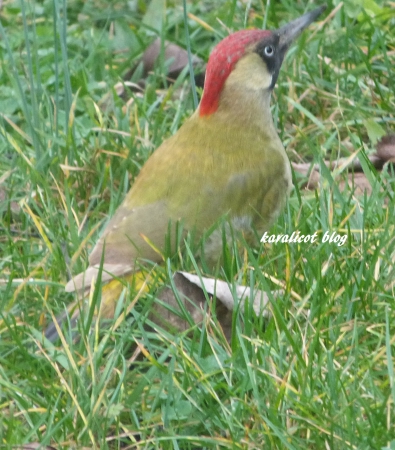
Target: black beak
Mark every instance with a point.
(279, 41)
(288, 33)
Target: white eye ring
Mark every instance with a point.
(269, 50)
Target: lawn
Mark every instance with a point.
(318, 372)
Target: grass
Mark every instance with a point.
(319, 373)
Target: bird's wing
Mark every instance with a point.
(83, 280)
(132, 233)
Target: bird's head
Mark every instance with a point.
(249, 58)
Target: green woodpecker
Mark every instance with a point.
(226, 160)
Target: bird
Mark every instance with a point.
(225, 162)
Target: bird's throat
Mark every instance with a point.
(247, 109)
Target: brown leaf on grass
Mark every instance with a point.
(192, 300)
(310, 172)
(176, 56)
(4, 193)
(190, 292)
(175, 60)
(356, 182)
(33, 446)
(356, 179)
(37, 445)
(386, 148)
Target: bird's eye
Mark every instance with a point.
(269, 50)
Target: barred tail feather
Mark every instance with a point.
(110, 294)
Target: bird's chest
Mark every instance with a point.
(251, 191)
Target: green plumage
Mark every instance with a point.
(225, 160)
(228, 163)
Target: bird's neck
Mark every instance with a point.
(248, 109)
(244, 98)
(248, 105)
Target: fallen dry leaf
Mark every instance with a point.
(309, 172)
(33, 446)
(175, 60)
(190, 292)
(386, 148)
(356, 182)
(356, 179)
(176, 56)
(222, 291)
(4, 193)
